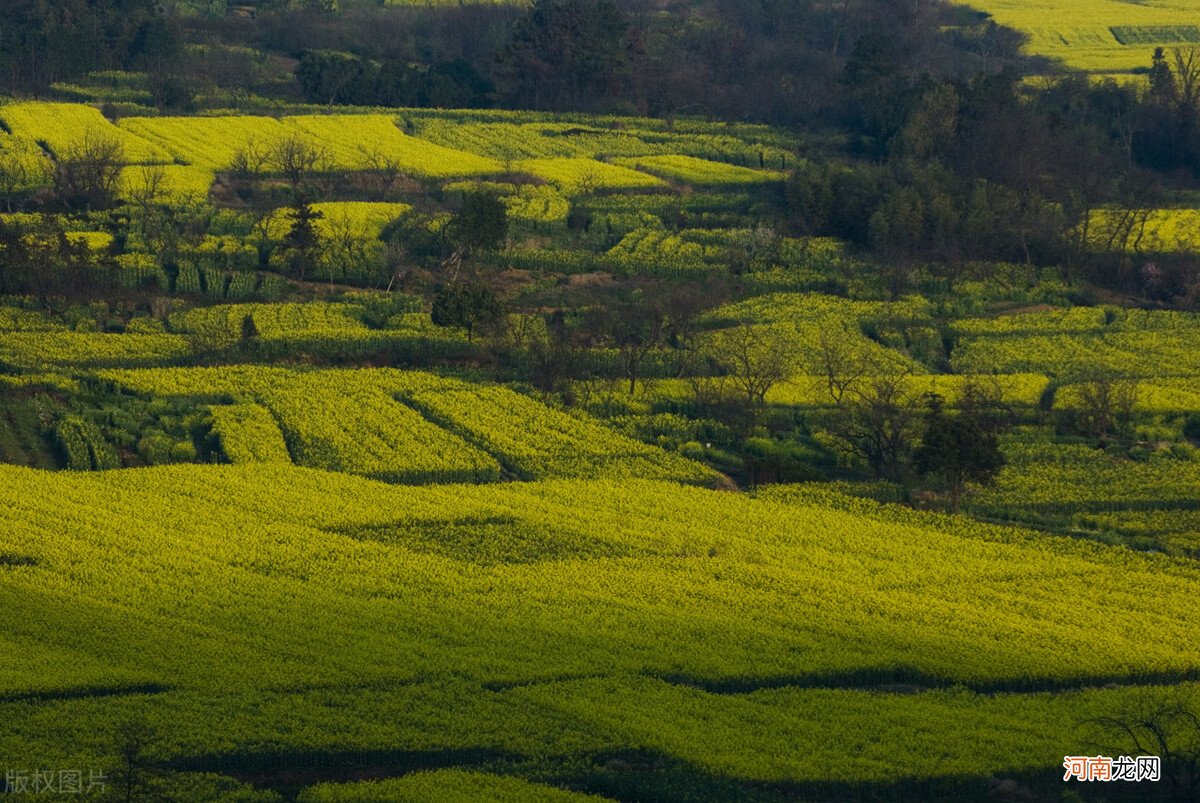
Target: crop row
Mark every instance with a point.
(535, 441)
(34, 350)
(334, 420)
(248, 433)
(690, 170)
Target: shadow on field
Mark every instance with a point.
(86, 692)
(648, 775)
(909, 680)
(290, 772)
(651, 776)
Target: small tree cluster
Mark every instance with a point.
(963, 447)
(466, 305)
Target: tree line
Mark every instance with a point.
(959, 172)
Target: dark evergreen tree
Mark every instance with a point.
(302, 241)
(959, 448)
(467, 306)
(481, 224)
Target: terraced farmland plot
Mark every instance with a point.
(271, 615)
(575, 176)
(330, 331)
(1180, 395)
(358, 220)
(333, 420)
(248, 433)
(690, 170)
(538, 205)
(1160, 231)
(658, 251)
(63, 127)
(803, 319)
(34, 350)
(1138, 344)
(532, 138)
(346, 143)
(367, 142)
(1023, 390)
(1099, 36)
(13, 319)
(351, 421)
(504, 141)
(31, 164)
(276, 325)
(535, 441)
(1065, 321)
(447, 785)
(1149, 503)
(273, 320)
(210, 142)
(175, 183)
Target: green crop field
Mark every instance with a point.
(61, 127)
(571, 618)
(1106, 37)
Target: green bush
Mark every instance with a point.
(156, 448)
(83, 445)
(183, 452)
(769, 461)
(145, 325)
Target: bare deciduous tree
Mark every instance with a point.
(135, 777)
(1187, 75)
(839, 364)
(754, 357)
(1160, 724)
(88, 174)
(878, 421)
(1105, 404)
(381, 166)
(297, 158)
(147, 187)
(250, 159)
(633, 329)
